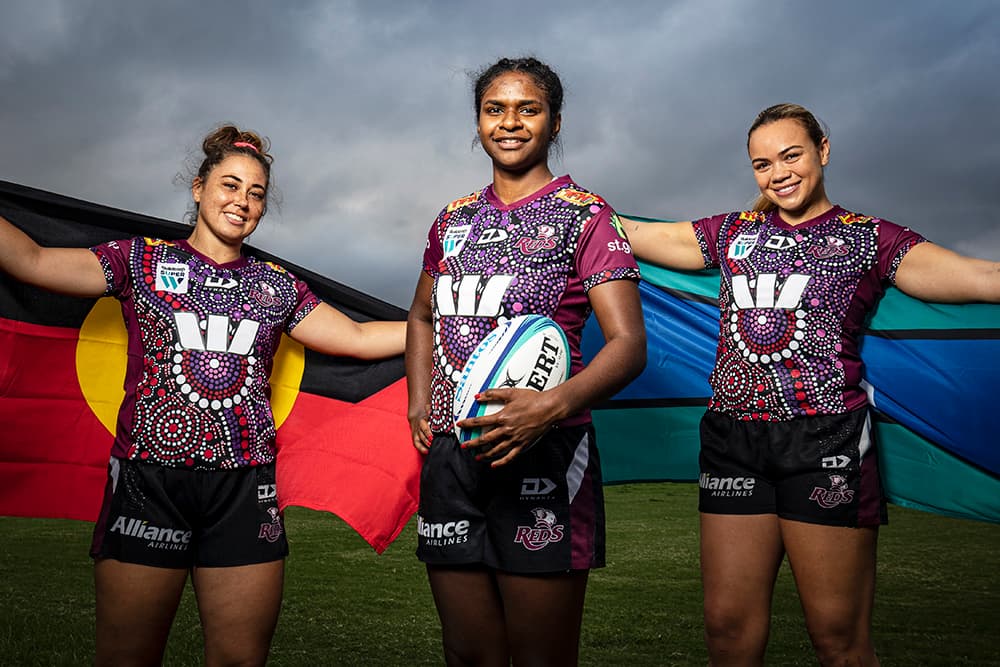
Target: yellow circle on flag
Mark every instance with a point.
(101, 364)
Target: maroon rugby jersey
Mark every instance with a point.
(493, 261)
(793, 302)
(201, 341)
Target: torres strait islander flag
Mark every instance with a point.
(343, 437)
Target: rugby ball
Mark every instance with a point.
(525, 352)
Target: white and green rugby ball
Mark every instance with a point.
(525, 352)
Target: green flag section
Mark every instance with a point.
(950, 486)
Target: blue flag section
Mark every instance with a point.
(933, 371)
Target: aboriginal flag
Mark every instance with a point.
(343, 437)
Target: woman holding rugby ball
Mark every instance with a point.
(511, 523)
(788, 418)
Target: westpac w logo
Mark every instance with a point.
(477, 295)
(765, 294)
(216, 334)
(172, 277)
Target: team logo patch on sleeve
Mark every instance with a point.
(579, 198)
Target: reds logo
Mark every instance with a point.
(265, 295)
(544, 240)
(837, 494)
(834, 248)
(271, 531)
(544, 532)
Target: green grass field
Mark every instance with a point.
(938, 600)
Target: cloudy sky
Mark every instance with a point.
(368, 107)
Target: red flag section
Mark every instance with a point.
(343, 437)
(346, 456)
(54, 449)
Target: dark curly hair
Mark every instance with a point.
(545, 78)
(228, 140)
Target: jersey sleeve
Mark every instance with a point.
(113, 257)
(894, 241)
(706, 230)
(305, 303)
(603, 252)
(434, 251)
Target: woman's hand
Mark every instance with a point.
(421, 430)
(419, 341)
(525, 417)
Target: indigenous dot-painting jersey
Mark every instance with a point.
(492, 261)
(201, 341)
(793, 302)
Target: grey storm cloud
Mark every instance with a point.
(368, 107)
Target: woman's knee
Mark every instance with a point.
(841, 639)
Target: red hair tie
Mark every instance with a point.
(246, 144)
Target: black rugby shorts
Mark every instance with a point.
(169, 517)
(821, 469)
(541, 513)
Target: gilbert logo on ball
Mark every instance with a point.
(526, 352)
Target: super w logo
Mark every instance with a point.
(215, 337)
(765, 294)
(472, 295)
